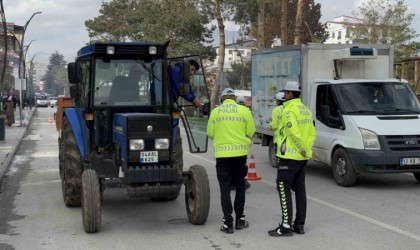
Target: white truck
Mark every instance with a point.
(366, 121)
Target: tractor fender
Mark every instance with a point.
(79, 129)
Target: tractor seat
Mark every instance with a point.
(123, 90)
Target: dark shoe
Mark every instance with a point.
(247, 185)
(280, 231)
(241, 223)
(227, 229)
(299, 229)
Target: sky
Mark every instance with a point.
(60, 27)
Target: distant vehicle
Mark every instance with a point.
(52, 102)
(42, 101)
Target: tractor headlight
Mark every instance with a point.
(370, 139)
(136, 144)
(162, 143)
(152, 50)
(110, 50)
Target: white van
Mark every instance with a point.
(366, 121)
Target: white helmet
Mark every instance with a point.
(292, 86)
(227, 92)
(280, 96)
(240, 100)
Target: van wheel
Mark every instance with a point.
(272, 155)
(343, 169)
(417, 176)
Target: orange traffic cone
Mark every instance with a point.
(252, 173)
(49, 120)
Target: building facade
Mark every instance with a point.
(338, 31)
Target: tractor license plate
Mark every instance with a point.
(409, 161)
(148, 156)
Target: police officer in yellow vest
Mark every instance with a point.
(276, 113)
(274, 123)
(230, 126)
(295, 140)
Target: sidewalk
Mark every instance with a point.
(13, 137)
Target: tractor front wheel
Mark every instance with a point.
(197, 195)
(91, 201)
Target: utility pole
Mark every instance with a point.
(22, 61)
(242, 68)
(3, 72)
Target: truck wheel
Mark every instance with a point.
(72, 167)
(272, 155)
(91, 201)
(343, 169)
(417, 176)
(197, 195)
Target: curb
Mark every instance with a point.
(7, 163)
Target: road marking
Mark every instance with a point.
(343, 210)
(40, 183)
(32, 137)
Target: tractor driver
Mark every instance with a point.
(175, 79)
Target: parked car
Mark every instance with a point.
(52, 102)
(42, 101)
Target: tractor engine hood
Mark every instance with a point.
(145, 126)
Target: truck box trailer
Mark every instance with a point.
(366, 120)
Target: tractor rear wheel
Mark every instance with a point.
(91, 201)
(417, 176)
(61, 151)
(72, 166)
(178, 160)
(197, 195)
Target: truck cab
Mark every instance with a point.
(366, 126)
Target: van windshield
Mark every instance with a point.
(366, 98)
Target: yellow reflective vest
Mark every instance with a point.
(230, 125)
(297, 133)
(274, 124)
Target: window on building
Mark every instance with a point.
(339, 34)
(230, 52)
(333, 35)
(347, 33)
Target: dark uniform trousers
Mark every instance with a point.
(291, 176)
(231, 171)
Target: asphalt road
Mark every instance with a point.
(380, 212)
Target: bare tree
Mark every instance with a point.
(283, 24)
(221, 53)
(261, 16)
(299, 22)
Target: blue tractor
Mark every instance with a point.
(123, 129)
